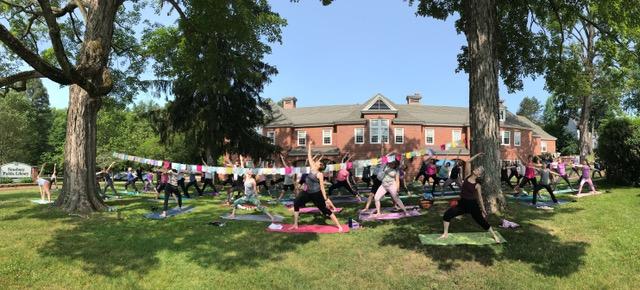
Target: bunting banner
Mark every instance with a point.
(285, 170)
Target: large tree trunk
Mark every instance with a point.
(585, 112)
(480, 25)
(79, 192)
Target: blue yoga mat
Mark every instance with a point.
(547, 203)
(170, 213)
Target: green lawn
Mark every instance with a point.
(592, 243)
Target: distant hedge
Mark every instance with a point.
(619, 150)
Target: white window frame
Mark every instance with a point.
(378, 131)
(453, 136)
(324, 136)
(502, 115)
(271, 134)
(543, 146)
(396, 135)
(517, 138)
(427, 135)
(304, 136)
(355, 135)
(503, 135)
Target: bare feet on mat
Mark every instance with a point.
(443, 236)
(294, 227)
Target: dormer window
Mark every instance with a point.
(379, 105)
(503, 115)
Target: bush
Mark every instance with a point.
(5, 180)
(25, 180)
(619, 150)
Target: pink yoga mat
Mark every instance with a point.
(313, 209)
(389, 216)
(317, 229)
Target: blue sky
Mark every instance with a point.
(347, 52)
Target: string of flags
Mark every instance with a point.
(281, 170)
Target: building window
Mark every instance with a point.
(272, 137)
(429, 136)
(517, 138)
(456, 136)
(379, 131)
(302, 138)
(503, 115)
(543, 146)
(398, 134)
(359, 135)
(506, 137)
(379, 105)
(326, 137)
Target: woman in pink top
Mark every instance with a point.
(342, 180)
(561, 169)
(586, 176)
(431, 173)
(529, 176)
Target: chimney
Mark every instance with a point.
(289, 103)
(414, 99)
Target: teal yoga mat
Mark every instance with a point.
(475, 238)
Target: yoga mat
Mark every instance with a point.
(587, 194)
(172, 198)
(314, 229)
(389, 216)
(161, 200)
(40, 201)
(128, 192)
(477, 238)
(170, 213)
(529, 198)
(349, 199)
(314, 210)
(547, 203)
(390, 209)
(255, 218)
(565, 191)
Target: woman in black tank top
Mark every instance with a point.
(470, 201)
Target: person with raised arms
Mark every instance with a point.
(586, 176)
(432, 169)
(470, 202)
(108, 181)
(289, 184)
(250, 196)
(342, 180)
(315, 192)
(545, 175)
(561, 169)
(131, 180)
(529, 176)
(171, 187)
(43, 185)
(455, 177)
(54, 178)
(207, 179)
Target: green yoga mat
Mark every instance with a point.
(477, 238)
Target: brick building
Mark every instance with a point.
(366, 130)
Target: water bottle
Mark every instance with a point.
(350, 223)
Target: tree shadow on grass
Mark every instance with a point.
(530, 243)
(111, 247)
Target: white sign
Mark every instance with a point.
(15, 170)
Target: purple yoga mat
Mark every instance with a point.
(317, 229)
(389, 216)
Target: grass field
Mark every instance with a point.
(589, 244)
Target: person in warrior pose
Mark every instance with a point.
(250, 196)
(43, 185)
(586, 176)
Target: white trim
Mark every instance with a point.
(502, 114)
(453, 136)
(273, 137)
(396, 135)
(543, 146)
(355, 136)
(519, 139)
(330, 136)
(379, 132)
(377, 97)
(433, 136)
(503, 135)
(298, 138)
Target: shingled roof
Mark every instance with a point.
(405, 114)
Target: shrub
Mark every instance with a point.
(25, 180)
(5, 180)
(619, 150)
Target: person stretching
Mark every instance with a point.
(108, 182)
(431, 173)
(54, 178)
(171, 187)
(288, 182)
(470, 202)
(131, 180)
(586, 176)
(376, 178)
(208, 180)
(454, 176)
(390, 184)
(250, 196)
(545, 173)
(43, 185)
(562, 172)
(192, 182)
(443, 174)
(422, 172)
(529, 176)
(315, 192)
(342, 180)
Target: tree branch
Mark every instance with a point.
(34, 60)
(56, 40)
(83, 10)
(176, 6)
(21, 76)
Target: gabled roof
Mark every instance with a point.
(537, 130)
(379, 104)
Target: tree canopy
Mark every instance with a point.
(530, 107)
